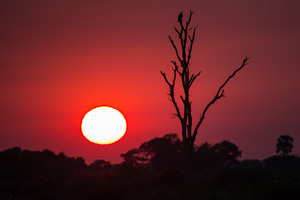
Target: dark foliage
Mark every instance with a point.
(36, 174)
(158, 154)
(100, 165)
(221, 154)
(134, 157)
(219, 175)
(284, 145)
(166, 153)
(18, 164)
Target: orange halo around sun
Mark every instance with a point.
(103, 125)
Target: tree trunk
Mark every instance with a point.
(188, 162)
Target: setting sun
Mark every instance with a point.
(103, 125)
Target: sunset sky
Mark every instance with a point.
(61, 58)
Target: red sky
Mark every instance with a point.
(60, 59)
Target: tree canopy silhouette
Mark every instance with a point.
(100, 165)
(17, 163)
(186, 34)
(26, 174)
(221, 154)
(166, 153)
(158, 153)
(284, 145)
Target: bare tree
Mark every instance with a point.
(186, 35)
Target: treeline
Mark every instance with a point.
(151, 171)
(167, 153)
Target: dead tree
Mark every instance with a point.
(186, 35)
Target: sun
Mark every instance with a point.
(103, 125)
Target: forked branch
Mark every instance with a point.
(220, 94)
(171, 89)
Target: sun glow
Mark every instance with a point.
(103, 125)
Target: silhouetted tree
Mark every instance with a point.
(205, 157)
(284, 145)
(227, 152)
(100, 165)
(219, 155)
(134, 157)
(163, 153)
(159, 153)
(186, 35)
(24, 164)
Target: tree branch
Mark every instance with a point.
(176, 67)
(171, 88)
(174, 46)
(193, 78)
(220, 94)
(191, 46)
(190, 18)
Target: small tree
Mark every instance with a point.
(186, 35)
(284, 145)
(227, 152)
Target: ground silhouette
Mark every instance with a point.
(145, 173)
